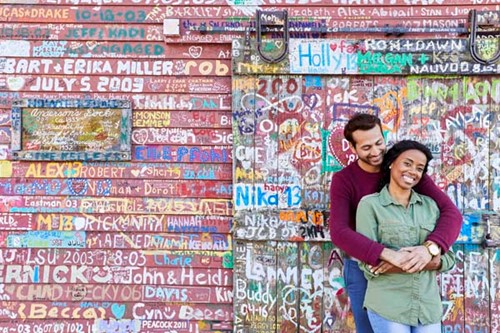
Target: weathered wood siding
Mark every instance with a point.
(148, 245)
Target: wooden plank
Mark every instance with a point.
(122, 222)
(184, 154)
(121, 325)
(182, 119)
(268, 194)
(473, 120)
(130, 205)
(134, 84)
(147, 153)
(169, 72)
(417, 121)
(338, 316)
(43, 239)
(85, 274)
(313, 7)
(246, 154)
(255, 287)
(388, 100)
(264, 3)
(107, 187)
(47, 31)
(494, 270)
(143, 14)
(114, 257)
(132, 50)
(188, 136)
(312, 122)
(452, 285)
(148, 311)
(92, 170)
(96, 49)
(288, 290)
(310, 261)
(163, 102)
(294, 149)
(495, 155)
(112, 293)
(477, 289)
(159, 241)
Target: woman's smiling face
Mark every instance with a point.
(407, 169)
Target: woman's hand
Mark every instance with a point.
(419, 258)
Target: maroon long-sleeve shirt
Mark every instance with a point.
(351, 184)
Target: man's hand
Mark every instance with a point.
(385, 267)
(418, 259)
(388, 268)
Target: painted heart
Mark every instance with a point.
(135, 173)
(140, 136)
(77, 186)
(333, 47)
(118, 310)
(310, 100)
(79, 223)
(339, 148)
(15, 83)
(195, 51)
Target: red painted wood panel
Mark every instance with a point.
(117, 83)
(265, 3)
(40, 310)
(112, 257)
(186, 276)
(170, 102)
(124, 187)
(145, 14)
(114, 325)
(130, 205)
(160, 118)
(208, 69)
(78, 169)
(113, 292)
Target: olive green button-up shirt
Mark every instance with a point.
(404, 298)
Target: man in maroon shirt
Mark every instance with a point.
(360, 178)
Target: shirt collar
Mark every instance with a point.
(386, 199)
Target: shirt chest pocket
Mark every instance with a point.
(398, 236)
(424, 231)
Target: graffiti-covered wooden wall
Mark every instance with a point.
(288, 121)
(90, 243)
(119, 177)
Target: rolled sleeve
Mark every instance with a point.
(447, 261)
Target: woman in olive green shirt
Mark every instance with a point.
(398, 217)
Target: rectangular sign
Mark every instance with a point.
(71, 129)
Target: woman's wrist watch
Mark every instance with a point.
(432, 247)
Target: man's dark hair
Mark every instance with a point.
(360, 121)
(397, 150)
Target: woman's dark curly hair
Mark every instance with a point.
(397, 150)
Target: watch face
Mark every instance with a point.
(434, 249)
